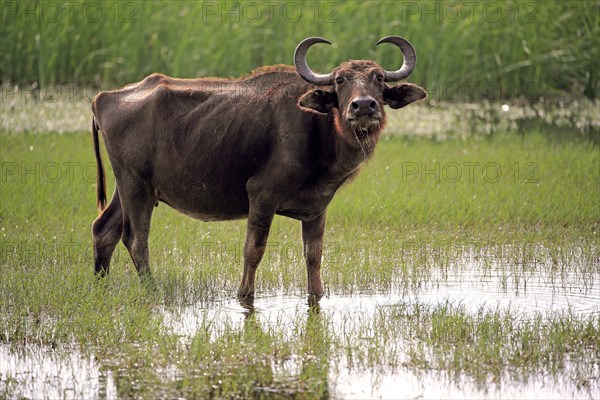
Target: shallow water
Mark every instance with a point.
(37, 372)
(473, 283)
(495, 289)
(431, 385)
(468, 289)
(67, 374)
(51, 374)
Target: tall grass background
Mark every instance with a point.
(467, 50)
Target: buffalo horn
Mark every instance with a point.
(302, 67)
(409, 54)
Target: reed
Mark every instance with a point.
(467, 50)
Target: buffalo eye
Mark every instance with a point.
(379, 78)
(339, 80)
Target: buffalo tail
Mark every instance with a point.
(100, 177)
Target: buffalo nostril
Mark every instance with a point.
(364, 105)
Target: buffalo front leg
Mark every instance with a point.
(259, 224)
(312, 236)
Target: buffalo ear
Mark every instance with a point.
(318, 100)
(402, 95)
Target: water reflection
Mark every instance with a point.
(473, 282)
(64, 373)
(307, 372)
(470, 280)
(410, 384)
(312, 302)
(247, 303)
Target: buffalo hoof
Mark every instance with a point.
(248, 304)
(245, 293)
(313, 300)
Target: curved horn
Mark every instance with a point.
(302, 67)
(409, 54)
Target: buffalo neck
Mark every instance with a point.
(347, 151)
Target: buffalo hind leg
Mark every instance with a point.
(106, 231)
(137, 214)
(312, 237)
(259, 224)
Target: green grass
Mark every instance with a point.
(386, 229)
(47, 203)
(478, 186)
(495, 49)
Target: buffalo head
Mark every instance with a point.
(356, 91)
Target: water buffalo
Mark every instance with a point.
(281, 140)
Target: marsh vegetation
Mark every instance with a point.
(464, 261)
(487, 280)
